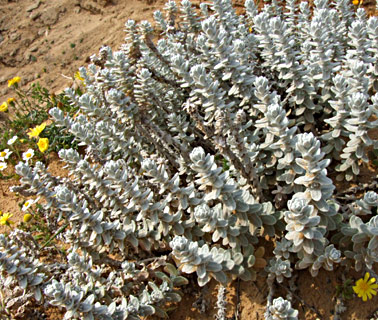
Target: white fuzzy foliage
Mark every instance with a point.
(226, 130)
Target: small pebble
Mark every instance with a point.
(34, 6)
(35, 15)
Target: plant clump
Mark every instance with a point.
(226, 131)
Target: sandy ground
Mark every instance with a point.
(47, 41)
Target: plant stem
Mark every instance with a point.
(60, 230)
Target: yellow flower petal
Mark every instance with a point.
(5, 219)
(27, 217)
(13, 81)
(78, 76)
(365, 288)
(43, 144)
(35, 132)
(3, 107)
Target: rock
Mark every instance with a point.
(26, 42)
(34, 6)
(91, 6)
(13, 52)
(77, 10)
(41, 32)
(35, 15)
(1, 38)
(14, 37)
(34, 48)
(27, 56)
(19, 59)
(50, 16)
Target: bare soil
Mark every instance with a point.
(47, 41)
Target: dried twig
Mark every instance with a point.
(238, 303)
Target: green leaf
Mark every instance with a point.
(180, 281)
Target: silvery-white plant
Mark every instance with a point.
(20, 268)
(281, 310)
(362, 238)
(365, 205)
(278, 269)
(319, 188)
(221, 303)
(330, 257)
(225, 130)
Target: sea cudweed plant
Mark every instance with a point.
(365, 205)
(21, 269)
(227, 130)
(278, 269)
(281, 310)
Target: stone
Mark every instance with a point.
(14, 37)
(27, 56)
(41, 32)
(13, 52)
(26, 42)
(50, 16)
(35, 15)
(34, 6)
(34, 48)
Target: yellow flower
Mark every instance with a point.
(5, 219)
(4, 107)
(27, 217)
(10, 100)
(78, 76)
(365, 288)
(35, 132)
(43, 144)
(357, 2)
(13, 81)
